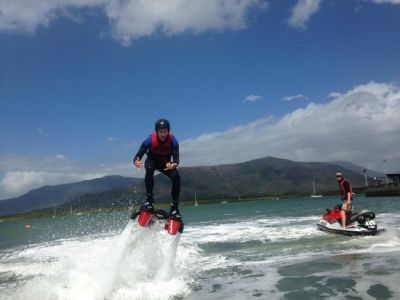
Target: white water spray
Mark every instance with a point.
(127, 239)
(167, 267)
(127, 266)
(141, 263)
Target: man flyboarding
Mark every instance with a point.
(162, 150)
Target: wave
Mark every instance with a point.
(134, 265)
(141, 264)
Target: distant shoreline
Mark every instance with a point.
(381, 191)
(46, 213)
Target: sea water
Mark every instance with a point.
(265, 249)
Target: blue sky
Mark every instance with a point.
(82, 82)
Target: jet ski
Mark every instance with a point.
(358, 223)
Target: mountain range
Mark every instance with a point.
(54, 195)
(256, 178)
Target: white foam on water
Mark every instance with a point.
(225, 277)
(258, 229)
(147, 263)
(116, 267)
(263, 273)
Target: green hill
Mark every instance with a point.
(53, 195)
(257, 178)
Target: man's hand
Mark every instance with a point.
(138, 163)
(170, 166)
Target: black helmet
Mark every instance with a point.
(162, 124)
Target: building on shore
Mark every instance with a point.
(384, 186)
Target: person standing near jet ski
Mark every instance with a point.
(162, 150)
(347, 196)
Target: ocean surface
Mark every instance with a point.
(265, 249)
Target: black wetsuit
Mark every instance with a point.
(157, 161)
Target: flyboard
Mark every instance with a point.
(147, 218)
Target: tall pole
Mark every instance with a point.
(366, 177)
(384, 162)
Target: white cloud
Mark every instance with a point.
(252, 98)
(294, 97)
(132, 19)
(18, 182)
(111, 138)
(361, 126)
(302, 12)
(335, 95)
(27, 15)
(23, 173)
(386, 1)
(39, 130)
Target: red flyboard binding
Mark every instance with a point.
(145, 218)
(173, 226)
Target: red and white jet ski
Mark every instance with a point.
(358, 223)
